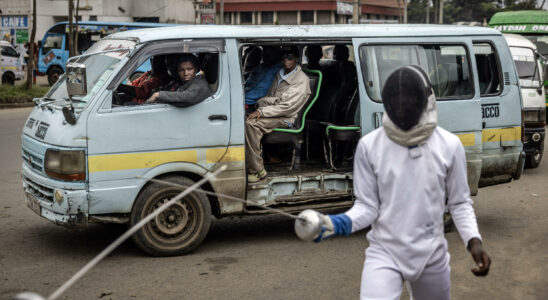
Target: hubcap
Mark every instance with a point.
(173, 220)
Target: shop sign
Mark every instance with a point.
(15, 21)
(344, 8)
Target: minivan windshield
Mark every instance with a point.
(527, 67)
(99, 66)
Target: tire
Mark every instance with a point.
(53, 75)
(533, 160)
(177, 230)
(8, 78)
(135, 76)
(447, 222)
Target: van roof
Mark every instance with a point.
(288, 32)
(5, 43)
(517, 40)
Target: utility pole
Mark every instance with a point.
(356, 12)
(222, 12)
(441, 11)
(404, 11)
(428, 12)
(215, 20)
(71, 28)
(30, 62)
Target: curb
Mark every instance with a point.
(15, 105)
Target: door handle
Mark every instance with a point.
(58, 57)
(217, 117)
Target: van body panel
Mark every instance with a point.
(155, 140)
(300, 32)
(501, 118)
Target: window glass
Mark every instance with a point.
(527, 66)
(446, 65)
(52, 42)
(267, 17)
(307, 16)
(227, 18)
(488, 71)
(8, 51)
(246, 18)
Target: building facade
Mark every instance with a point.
(307, 12)
(16, 15)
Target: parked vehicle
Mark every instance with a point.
(532, 24)
(531, 80)
(11, 68)
(89, 158)
(54, 52)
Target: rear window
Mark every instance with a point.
(446, 65)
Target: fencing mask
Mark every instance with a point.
(410, 105)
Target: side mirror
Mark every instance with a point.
(76, 79)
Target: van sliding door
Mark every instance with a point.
(499, 94)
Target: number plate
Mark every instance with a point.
(34, 204)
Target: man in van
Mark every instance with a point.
(260, 77)
(188, 89)
(278, 109)
(403, 173)
(141, 88)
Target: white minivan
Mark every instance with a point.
(529, 67)
(10, 64)
(88, 157)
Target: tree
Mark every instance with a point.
(71, 28)
(30, 60)
(466, 10)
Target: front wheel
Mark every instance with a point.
(533, 160)
(8, 79)
(177, 230)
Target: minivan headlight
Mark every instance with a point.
(67, 165)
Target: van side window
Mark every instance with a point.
(446, 65)
(489, 75)
(160, 73)
(8, 51)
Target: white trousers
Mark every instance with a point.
(381, 279)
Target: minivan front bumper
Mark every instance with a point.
(59, 203)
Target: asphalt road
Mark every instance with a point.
(256, 258)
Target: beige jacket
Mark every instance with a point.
(286, 99)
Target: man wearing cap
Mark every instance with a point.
(188, 89)
(278, 109)
(404, 174)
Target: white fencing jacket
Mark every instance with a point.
(401, 193)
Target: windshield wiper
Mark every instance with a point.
(74, 100)
(39, 101)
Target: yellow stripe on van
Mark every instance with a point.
(232, 154)
(501, 134)
(467, 139)
(115, 162)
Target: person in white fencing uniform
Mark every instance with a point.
(403, 173)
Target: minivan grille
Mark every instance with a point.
(32, 161)
(40, 191)
(506, 78)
